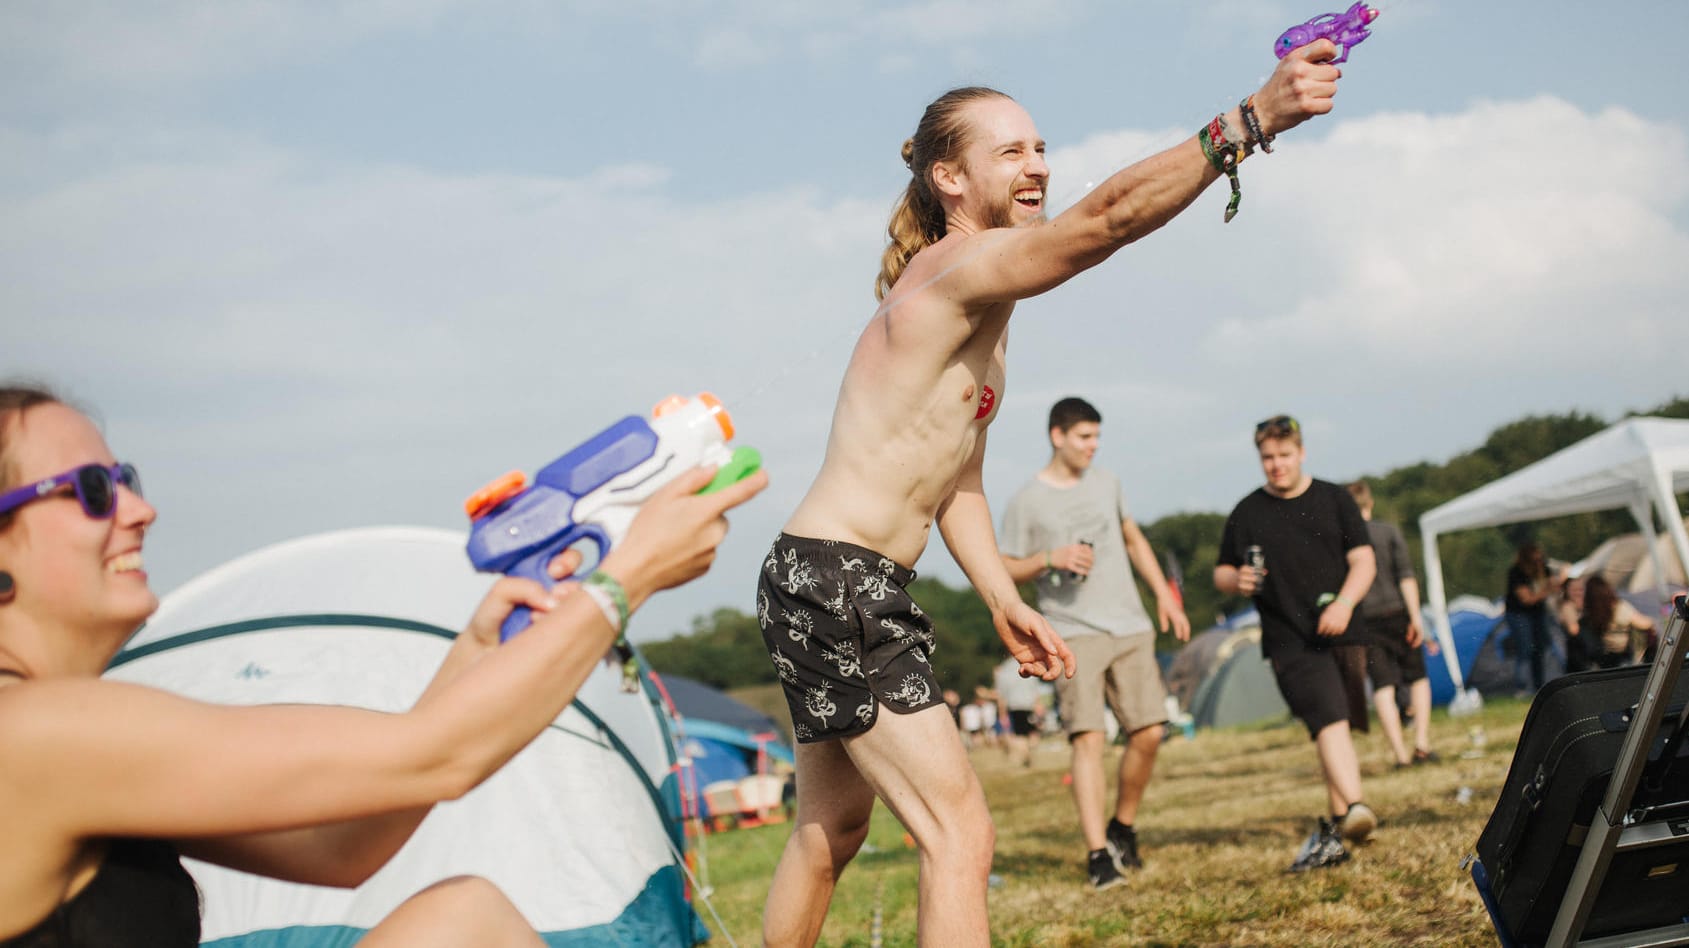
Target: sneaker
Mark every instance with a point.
(1099, 866)
(1357, 824)
(1323, 849)
(1122, 843)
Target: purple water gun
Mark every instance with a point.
(1345, 29)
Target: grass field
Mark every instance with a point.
(1223, 817)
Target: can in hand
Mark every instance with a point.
(1254, 558)
(1080, 577)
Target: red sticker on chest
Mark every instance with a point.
(987, 398)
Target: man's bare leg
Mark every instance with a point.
(1390, 719)
(1419, 697)
(1087, 766)
(1135, 767)
(834, 806)
(916, 764)
(1017, 749)
(1342, 769)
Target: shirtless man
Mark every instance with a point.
(968, 238)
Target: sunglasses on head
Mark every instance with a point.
(1279, 421)
(96, 488)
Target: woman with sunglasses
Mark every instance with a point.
(104, 783)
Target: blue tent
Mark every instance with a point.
(723, 739)
(1477, 636)
(722, 724)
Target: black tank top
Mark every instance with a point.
(140, 897)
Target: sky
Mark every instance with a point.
(319, 265)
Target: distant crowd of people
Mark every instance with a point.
(1600, 629)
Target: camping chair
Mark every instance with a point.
(1626, 827)
(748, 801)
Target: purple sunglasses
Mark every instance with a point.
(96, 488)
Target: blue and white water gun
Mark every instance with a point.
(593, 492)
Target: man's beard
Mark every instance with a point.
(1002, 214)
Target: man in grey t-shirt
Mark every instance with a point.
(1069, 529)
(1390, 612)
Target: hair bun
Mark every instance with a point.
(909, 153)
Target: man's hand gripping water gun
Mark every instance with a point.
(1344, 29)
(593, 492)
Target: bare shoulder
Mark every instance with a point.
(953, 278)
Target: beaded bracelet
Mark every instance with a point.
(1252, 122)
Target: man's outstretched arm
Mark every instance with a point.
(1022, 262)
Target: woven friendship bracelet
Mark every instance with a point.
(611, 598)
(1207, 143)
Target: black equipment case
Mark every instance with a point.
(1572, 855)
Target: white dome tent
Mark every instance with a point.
(581, 829)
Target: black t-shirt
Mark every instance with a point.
(1306, 541)
(1515, 578)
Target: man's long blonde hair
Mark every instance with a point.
(917, 220)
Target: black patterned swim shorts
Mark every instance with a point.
(844, 636)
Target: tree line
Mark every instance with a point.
(725, 648)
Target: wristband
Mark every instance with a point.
(1224, 156)
(1345, 600)
(1047, 564)
(611, 598)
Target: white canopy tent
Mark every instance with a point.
(1636, 464)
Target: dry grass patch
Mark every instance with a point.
(1221, 822)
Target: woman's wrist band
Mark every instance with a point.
(1047, 564)
(612, 599)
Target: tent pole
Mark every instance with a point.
(1440, 607)
(1643, 512)
(1667, 503)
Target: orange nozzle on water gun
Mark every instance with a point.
(496, 492)
(712, 404)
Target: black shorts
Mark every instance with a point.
(1022, 723)
(844, 636)
(1323, 685)
(1390, 661)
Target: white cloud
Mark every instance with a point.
(1455, 238)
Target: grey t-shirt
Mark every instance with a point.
(1394, 565)
(1041, 517)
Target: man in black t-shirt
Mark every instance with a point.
(1299, 547)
